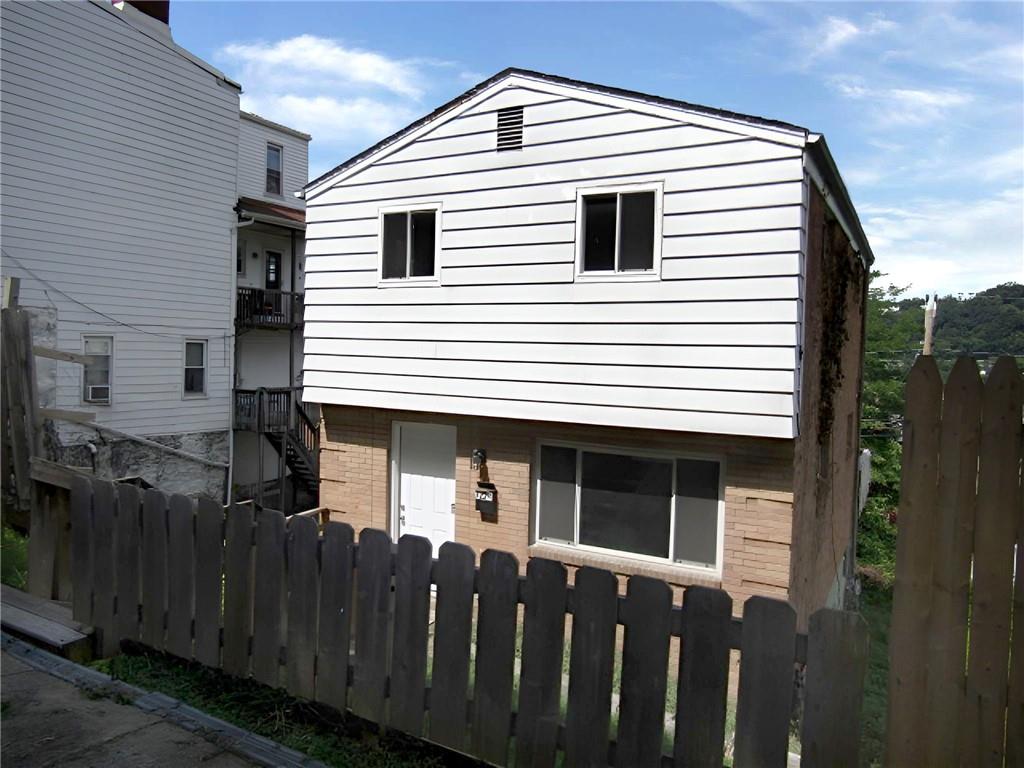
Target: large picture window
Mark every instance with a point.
(619, 232)
(654, 506)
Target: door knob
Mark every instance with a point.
(401, 519)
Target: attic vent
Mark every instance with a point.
(510, 128)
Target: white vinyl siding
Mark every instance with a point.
(514, 329)
(253, 139)
(119, 179)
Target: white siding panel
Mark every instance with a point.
(521, 274)
(252, 163)
(342, 229)
(697, 268)
(643, 418)
(761, 403)
(561, 211)
(764, 193)
(543, 253)
(725, 379)
(485, 237)
(342, 245)
(343, 262)
(744, 220)
(511, 97)
(777, 241)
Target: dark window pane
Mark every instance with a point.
(273, 158)
(557, 493)
(598, 233)
(97, 372)
(696, 534)
(194, 354)
(625, 503)
(395, 239)
(194, 380)
(273, 182)
(636, 232)
(423, 228)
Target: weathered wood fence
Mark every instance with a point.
(956, 673)
(347, 624)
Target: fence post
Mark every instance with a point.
(837, 658)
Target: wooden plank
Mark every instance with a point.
(498, 587)
(180, 575)
(647, 615)
(60, 509)
(766, 683)
(48, 609)
(75, 417)
(951, 566)
(20, 403)
(81, 549)
(128, 569)
(42, 542)
(48, 633)
(908, 633)
(238, 590)
(453, 628)
(154, 567)
(303, 598)
(334, 628)
(209, 581)
(409, 647)
(104, 566)
(540, 676)
(594, 621)
(52, 473)
(837, 659)
(703, 678)
(60, 354)
(995, 533)
(268, 612)
(1015, 695)
(373, 596)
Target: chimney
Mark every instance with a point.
(157, 9)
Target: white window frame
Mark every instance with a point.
(409, 282)
(664, 454)
(185, 395)
(110, 372)
(266, 168)
(658, 188)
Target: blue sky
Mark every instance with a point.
(922, 103)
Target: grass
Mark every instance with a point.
(13, 558)
(876, 607)
(311, 729)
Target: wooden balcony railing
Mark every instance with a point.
(265, 308)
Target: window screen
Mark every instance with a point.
(557, 493)
(599, 233)
(696, 534)
(636, 232)
(421, 261)
(396, 232)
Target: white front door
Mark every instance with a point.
(426, 481)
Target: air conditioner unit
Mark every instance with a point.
(98, 393)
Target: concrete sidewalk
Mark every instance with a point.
(49, 722)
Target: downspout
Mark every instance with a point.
(233, 348)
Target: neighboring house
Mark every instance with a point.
(128, 177)
(274, 435)
(588, 324)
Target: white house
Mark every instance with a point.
(574, 321)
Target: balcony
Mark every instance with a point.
(265, 308)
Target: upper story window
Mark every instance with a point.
(195, 367)
(619, 231)
(275, 167)
(409, 245)
(636, 503)
(97, 373)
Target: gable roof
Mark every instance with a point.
(557, 80)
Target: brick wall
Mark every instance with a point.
(758, 489)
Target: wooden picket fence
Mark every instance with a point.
(956, 670)
(307, 608)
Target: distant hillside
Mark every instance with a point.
(987, 324)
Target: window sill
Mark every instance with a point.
(681, 575)
(409, 282)
(194, 396)
(617, 277)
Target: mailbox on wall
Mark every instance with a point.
(487, 501)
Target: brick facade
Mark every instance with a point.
(758, 490)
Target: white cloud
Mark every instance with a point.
(834, 33)
(949, 245)
(360, 118)
(319, 56)
(902, 106)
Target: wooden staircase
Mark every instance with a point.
(278, 415)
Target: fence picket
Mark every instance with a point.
(540, 675)
(334, 629)
(766, 683)
(128, 546)
(591, 664)
(209, 580)
(951, 567)
(303, 577)
(1015, 694)
(498, 589)
(238, 589)
(269, 604)
(906, 734)
(995, 532)
(648, 621)
(81, 549)
(703, 678)
(409, 648)
(837, 658)
(373, 597)
(154, 568)
(180, 576)
(453, 626)
(103, 573)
